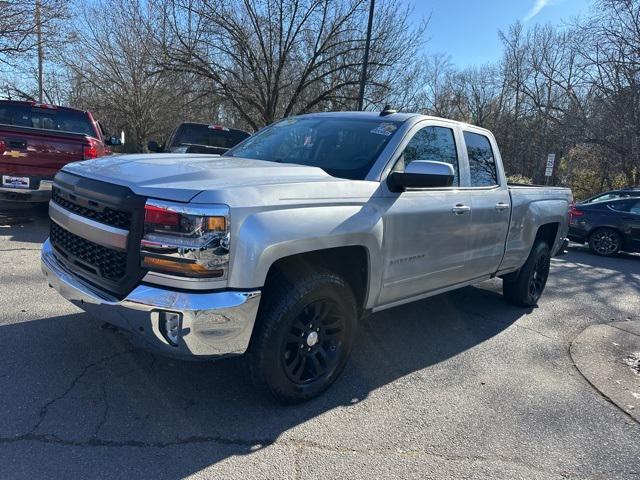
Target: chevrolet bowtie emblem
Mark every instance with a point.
(14, 153)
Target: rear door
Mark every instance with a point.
(628, 213)
(490, 203)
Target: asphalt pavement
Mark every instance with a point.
(461, 385)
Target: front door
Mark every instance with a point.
(426, 230)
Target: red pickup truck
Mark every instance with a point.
(36, 140)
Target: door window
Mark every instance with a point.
(631, 206)
(482, 164)
(605, 197)
(435, 144)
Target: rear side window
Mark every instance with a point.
(606, 197)
(434, 144)
(46, 118)
(631, 206)
(482, 164)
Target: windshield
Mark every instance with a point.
(344, 148)
(199, 134)
(46, 118)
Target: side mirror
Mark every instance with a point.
(153, 146)
(422, 174)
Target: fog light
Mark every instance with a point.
(170, 326)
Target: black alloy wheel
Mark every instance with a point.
(538, 277)
(524, 287)
(313, 345)
(304, 333)
(605, 242)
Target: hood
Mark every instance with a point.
(180, 177)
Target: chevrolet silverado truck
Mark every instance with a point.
(278, 248)
(36, 140)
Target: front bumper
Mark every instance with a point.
(41, 194)
(213, 324)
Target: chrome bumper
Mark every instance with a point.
(213, 324)
(42, 194)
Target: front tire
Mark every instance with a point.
(524, 287)
(304, 335)
(605, 242)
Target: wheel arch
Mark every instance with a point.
(547, 233)
(319, 236)
(350, 262)
(606, 226)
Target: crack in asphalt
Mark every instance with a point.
(105, 414)
(299, 445)
(45, 408)
(619, 327)
(535, 331)
(99, 442)
(19, 249)
(255, 444)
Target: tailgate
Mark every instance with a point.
(38, 153)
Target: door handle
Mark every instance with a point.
(461, 209)
(502, 206)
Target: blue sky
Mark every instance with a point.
(467, 30)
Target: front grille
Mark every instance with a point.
(92, 258)
(113, 271)
(106, 215)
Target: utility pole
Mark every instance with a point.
(40, 51)
(365, 63)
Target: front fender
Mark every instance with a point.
(265, 237)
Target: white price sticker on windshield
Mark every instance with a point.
(385, 129)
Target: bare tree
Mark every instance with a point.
(29, 31)
(272, 58)
(111, 70)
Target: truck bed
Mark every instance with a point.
(531, 206)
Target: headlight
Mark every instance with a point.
(186, 240)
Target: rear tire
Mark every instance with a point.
(605, 242)
(524, 287)
(304, 335)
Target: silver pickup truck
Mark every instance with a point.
(278, 248)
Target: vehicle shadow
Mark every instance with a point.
(24, 222)
(78, 385)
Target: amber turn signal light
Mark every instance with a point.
(187, 269)
(216, 224)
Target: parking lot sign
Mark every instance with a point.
(551, 160)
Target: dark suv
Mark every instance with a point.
(191, 137)
(608, 226)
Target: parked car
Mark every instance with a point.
(189, 137)
(607, 226)
(279, 247)
(36, 140)
(613, 195)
